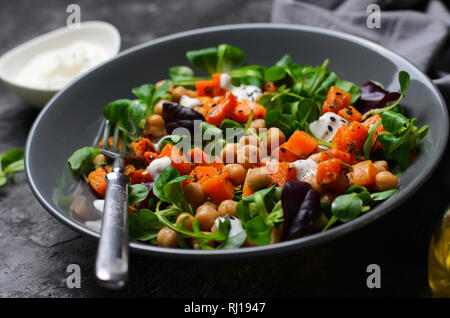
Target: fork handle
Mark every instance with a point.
(112, 255)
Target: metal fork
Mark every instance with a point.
(111, 266)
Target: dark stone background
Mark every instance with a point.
(35, 249)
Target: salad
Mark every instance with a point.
(251, 155)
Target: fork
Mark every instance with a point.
(112, 255)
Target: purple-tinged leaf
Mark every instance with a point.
(178, 116)
(301, 206)
(308, 212)
(374, 96)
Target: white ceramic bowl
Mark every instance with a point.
(99, 33)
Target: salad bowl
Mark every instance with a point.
(73, 118)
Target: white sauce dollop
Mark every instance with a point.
(326, 126)
(236, 225)
(189, 102)
(225, 81)
(56, 68)
(156, 167)
(248, 92)
(304, 168)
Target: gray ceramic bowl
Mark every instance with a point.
(72, 118)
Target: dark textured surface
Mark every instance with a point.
(35, 249)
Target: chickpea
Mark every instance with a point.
(188, 222)
(258, 178)
(340, 185)
(385, 180)
(258, 124)
(248, 155)
(158, 110)
(155, 131)
(206, 215)
(229, 153)
(248, 140)
(228, 207)
(274, 138)
(194, 194)
(154, 125)
(236, 173)
(276, 132)
(269, 86)
(167, 238)
(99, 160)
(155, 120)
(210, 204)
(381, 165)
(160, 83)
(178, 92)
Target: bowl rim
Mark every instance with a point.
(50, 36)
(271, 249)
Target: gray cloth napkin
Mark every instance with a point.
(416, 29)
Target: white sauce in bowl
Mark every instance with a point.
(54, 69)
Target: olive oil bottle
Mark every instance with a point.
(439, 258)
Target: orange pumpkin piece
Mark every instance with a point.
(207, 102)
(337, 99)
(369, 122)
(350, 114)
(222, 110)
(140, 176)
(301, 144)
(351, 139)
(281, 173)
(218, 163)
(218, 188)
(218, 91)
(202, 173)
(328, 171)
(97, 181)
(141, 146)
(205, 88)
(345, 157)
(245, 108)
(363, 173)
(246, 190)
(284, 155)
(179, 160)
